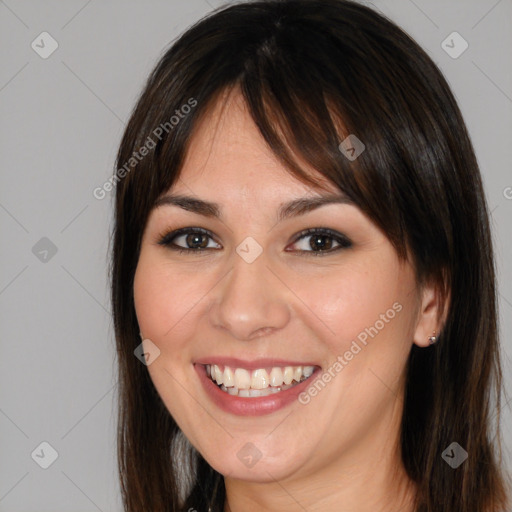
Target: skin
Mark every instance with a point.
(340, 451)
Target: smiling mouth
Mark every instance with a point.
(261, 382)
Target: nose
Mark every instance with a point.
(251, 301)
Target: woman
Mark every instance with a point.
(302, 262)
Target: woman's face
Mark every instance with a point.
(262, 296)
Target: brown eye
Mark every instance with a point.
(196, 241)
(319, 241)
(187, 239)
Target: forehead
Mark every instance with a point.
(228, 154)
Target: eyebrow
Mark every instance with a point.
(293, 208)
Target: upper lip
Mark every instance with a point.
(253, 364)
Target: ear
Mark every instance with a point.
(432, 314)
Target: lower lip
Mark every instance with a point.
(256, 406)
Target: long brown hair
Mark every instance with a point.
(312, 72)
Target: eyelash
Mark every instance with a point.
(166, 240)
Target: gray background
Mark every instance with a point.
(61, 122)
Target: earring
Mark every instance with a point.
(432, 339)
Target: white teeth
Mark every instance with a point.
(260, 379)
(308, 371)
(260, 382)
(288, 375)
(242, 379)
(218, 374)
(228, 379)
(276, 377)
(250, 393)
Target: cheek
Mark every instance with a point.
(164, 300)
(150, 298)
(370, 313)
(357, 302)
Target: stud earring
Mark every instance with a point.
(432, 339)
